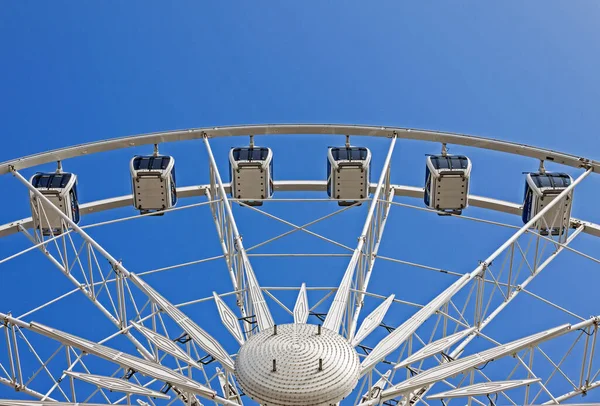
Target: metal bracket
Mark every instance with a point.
(207, 359)
(182, 339)
(128, 374)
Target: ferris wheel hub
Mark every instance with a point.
(294, 365)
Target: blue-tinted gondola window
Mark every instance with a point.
(340, 154)
(151, 163)
(65, 179)
(250, 154)
(242, 154)
(455, 162)
(144, 163)
(36, 180)
(458, 163)
(352, 154)
(159, 163)
(43, 181)
(440, 162)
(561, 181)
(542, 181)
(55, 181)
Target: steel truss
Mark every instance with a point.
(250, 300)
(494, 283)
(347, 304)
(523, 351)
(478, 314)
(126, 299)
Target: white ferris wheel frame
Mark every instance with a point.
(348, 301)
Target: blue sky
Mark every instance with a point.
(80, 72)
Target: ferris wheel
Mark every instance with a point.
(308, 344)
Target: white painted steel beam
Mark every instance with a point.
(261, 310)
(127, 361)
(435, 347)
(229, 390)
(297, 129)
(376, 389)
(203, 339)
(295, 186)
(513, 294)
(463, 365)
(164, 344)
(479, 270)
(367, 262)
(576, 392)
(334, 317)
(393, 340)
(117, 385)
(124, 360)
(484, 388)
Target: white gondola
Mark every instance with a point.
(348, 174)
(153, 182)
(61, 189)
(540, 189)
(251, 174)
(447, 182)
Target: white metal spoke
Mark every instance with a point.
(233, 248)
(366, 239)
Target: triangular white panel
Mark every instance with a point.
(484, 388)
(261, 310)
(229, 319)
(201, 337)
(392, 341)
(126, 361)
(335, 314)
(463, 365)
(435, 347)
(375, 391)
(301, 307)
(164, 344)
(116, 385)
(373, 320)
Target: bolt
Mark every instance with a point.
(320, 364)
(275, 330)
(319, 330)
(274, 366)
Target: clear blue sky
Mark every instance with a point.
(79, 72)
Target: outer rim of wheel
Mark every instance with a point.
(300, 129)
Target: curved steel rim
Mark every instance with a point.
(295, 186)
(296, 129)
